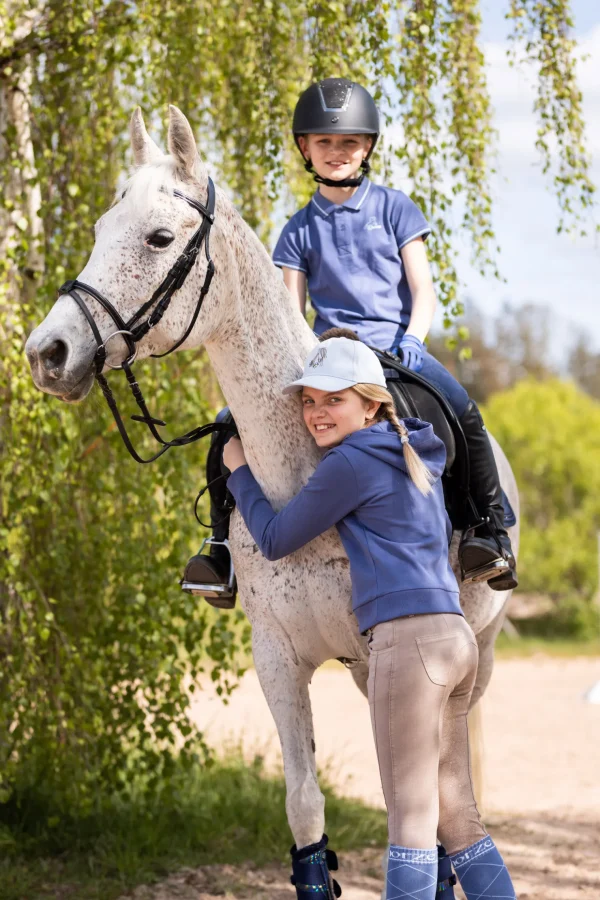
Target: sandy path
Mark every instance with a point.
(541, 741)
(541, 778)
(551, 856)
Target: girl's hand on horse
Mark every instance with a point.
(233, 454)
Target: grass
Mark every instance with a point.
(532, 645)
(228, 813)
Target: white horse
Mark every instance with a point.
(299, 607)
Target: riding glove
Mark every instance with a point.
(411, 352)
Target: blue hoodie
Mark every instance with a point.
(396, 539)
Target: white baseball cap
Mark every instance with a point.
(336, 364)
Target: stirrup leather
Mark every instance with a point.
(212, 590)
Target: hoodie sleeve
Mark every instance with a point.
(329, 495)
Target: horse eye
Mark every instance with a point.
(160, 238)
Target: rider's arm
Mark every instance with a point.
(418, 274)
(295, 282)
(290, 255)
(329, 495)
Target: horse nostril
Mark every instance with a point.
(54, 356)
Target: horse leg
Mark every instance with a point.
(284, 679)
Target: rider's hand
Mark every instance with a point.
(233, 454)
(411, 352)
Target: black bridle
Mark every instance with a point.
(134, 329)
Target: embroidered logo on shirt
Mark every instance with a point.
(372, 224)
(319, 358)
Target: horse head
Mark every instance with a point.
(138, 242)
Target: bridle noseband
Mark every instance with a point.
(135, 329)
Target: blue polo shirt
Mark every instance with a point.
(350, 253)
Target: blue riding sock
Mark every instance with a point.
(411, 873)
(482, 873)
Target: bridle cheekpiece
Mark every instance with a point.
(138, 326)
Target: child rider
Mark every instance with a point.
(359, 248)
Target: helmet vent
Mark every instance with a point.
(335, 93)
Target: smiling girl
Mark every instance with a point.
(379, 483)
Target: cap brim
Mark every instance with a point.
(320, 383)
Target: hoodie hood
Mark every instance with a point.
(382, 441)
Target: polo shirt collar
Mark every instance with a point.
(354, 202)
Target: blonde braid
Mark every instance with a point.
(418, 472)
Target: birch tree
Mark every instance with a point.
(91, 545)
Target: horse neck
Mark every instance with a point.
(259, 346)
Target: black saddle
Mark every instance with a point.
(414, 396)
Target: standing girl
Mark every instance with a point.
(379, 483)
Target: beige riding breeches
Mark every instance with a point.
(421, 674)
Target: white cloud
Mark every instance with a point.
(540, 266)
(513, 91)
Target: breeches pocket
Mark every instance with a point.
(446, 657)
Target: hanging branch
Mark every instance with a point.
(542, 36)
(470, 127)
(423, 150)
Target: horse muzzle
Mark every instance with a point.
(56, 369)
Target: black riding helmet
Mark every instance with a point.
(336, 106)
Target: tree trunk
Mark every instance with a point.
(21, 230)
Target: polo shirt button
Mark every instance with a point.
(342, 227)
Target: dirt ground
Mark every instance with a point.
(540, 759)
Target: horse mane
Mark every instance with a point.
(147, 182)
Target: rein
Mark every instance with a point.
(132, 333)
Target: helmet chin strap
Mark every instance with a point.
(345, 182)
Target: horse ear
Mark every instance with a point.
(145, 151)
(182, 144)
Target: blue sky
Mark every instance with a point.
(539, 266)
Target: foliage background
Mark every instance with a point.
(91, 545)
(550, 431)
